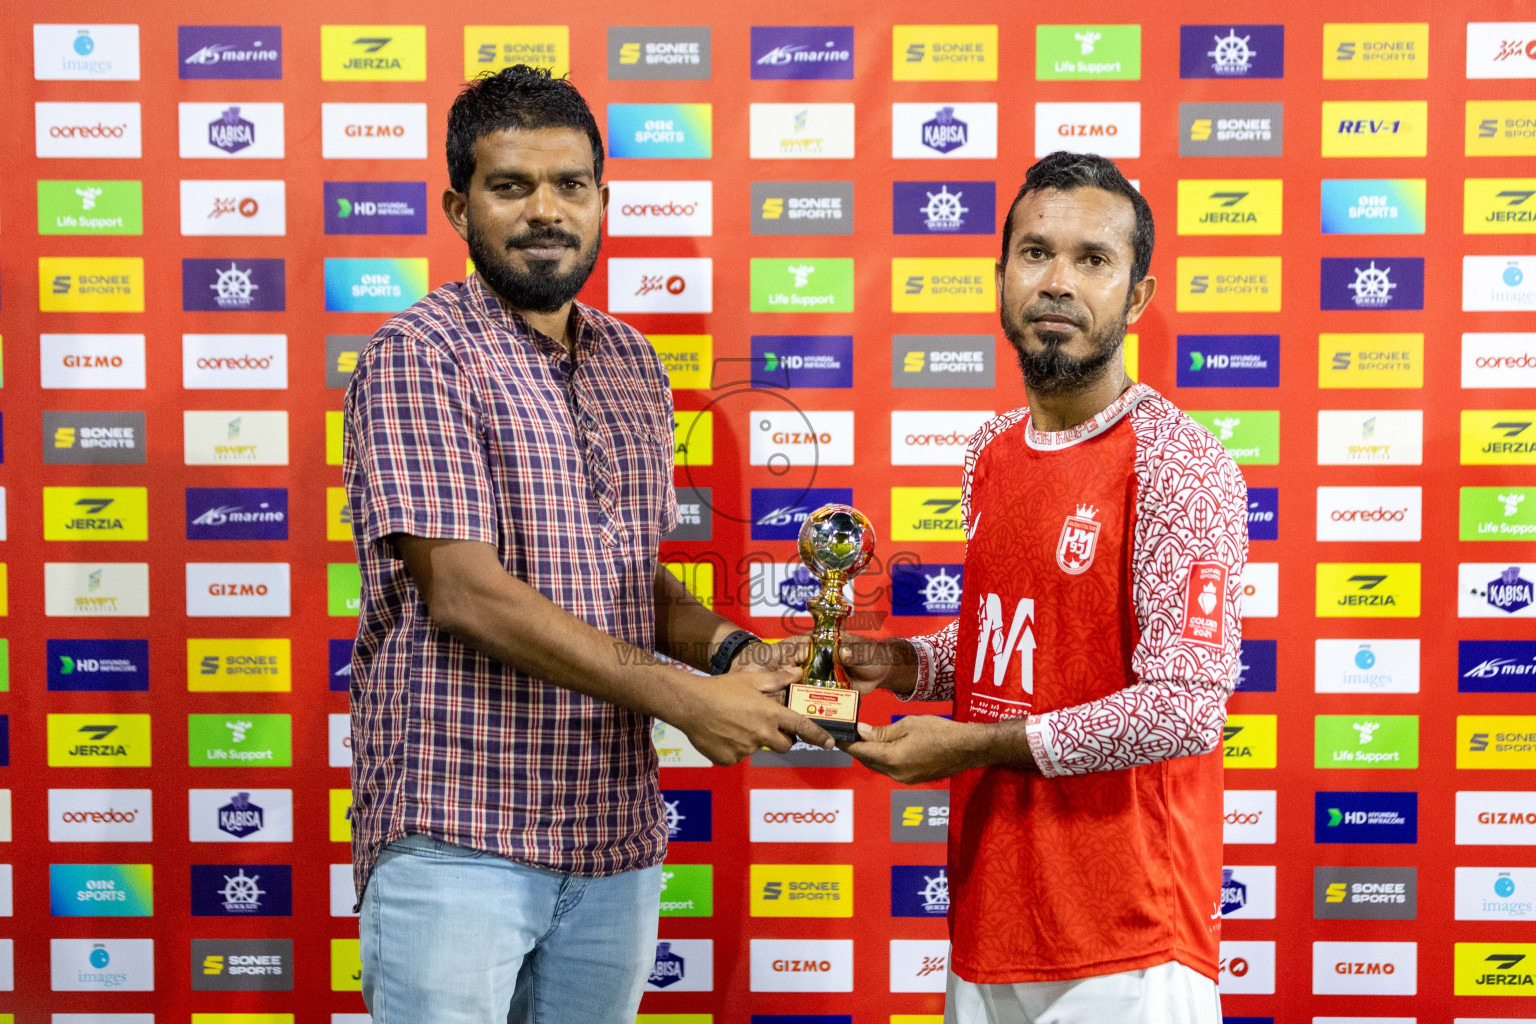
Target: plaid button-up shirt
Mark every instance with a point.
(462, 422)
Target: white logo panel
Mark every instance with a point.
(1501, 49)
(1495, 590)
(96, 589)
(1250, 890)
(1365, 968)
(661, 285)
(800, 131)
(658, 209)
(1108, 129)
(1246, 968)
(243, 208)
(1370, 437)
(85, 53)
(235, 816)
(1261, 590)
(944, 131)
(343, 895)
(102, 965)
(1370, 513)
(1495, 818)
(241, 437)
(1498, 283)
(1366, 666)
(802, 815)
(257, 589)
(683, 965)
(339, 727)
(1248, 816)
(100, 816)
(1495, 894)
(788, 438)
(1498, 360)
(802, 965)
(233, 130)
(674, 749)
(89, 130)
(81, 361)
(933, 437)
(235, 361)
(373, 131)
(919, 965)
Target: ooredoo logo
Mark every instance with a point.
(99, 816)
(660, 208)
(1370, 513)
(802, 815)
(933, 438)
(1248, 816)
(89, 130)
(234, 361)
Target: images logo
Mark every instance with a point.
(926, 513)
(802, 207)
(1108, 129)
(90, 284)
(242, 890)
(1375, 50)
(1087, 53)
(95, 513)
(229, 51)
(1366, 741)
(99, 666)
(1501, 49)
(952, 130)
(671, 53)
(1380, 206)
(926, 589)
(944, 53)
(660, 208)
(1234, 284)
(1498, 283)
(1231, 129)
(1379, 282)
(943, 285)
(1368, 590)
(493, 47)
(1247, 206)
(802, 890)
(1231, 51)
(373, 53)
(1228, 360)
(77, 741)
(1381, 128)
(1250, 436)
(85, 53)
(1499, 206)
(90, 208)
(1248, 741)
(1493, 437)
(802, 285)
(233, 285)
(1374, 817)
(660, 130)
(88, 130)
(375, 207)
(105, 965)
(1494, 894)
(101, 890)
(240, 666)
(799, 53)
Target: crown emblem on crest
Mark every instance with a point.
(1087, 511)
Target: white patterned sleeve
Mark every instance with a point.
(1190, 547)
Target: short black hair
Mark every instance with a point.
(519, 98)
(1068, 172)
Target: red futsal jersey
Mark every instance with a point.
(1103, 572)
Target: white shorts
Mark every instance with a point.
(1166, 994)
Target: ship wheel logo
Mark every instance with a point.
(944, 210)
(234, 286)
(941, 593)
(1232, 55)
(1371, 287)
(241, 891)
(935, 893)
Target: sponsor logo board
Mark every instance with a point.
(231, 815)
(1108, 129)
(1365, 968)
(802, 52)
(90, 207)
(1388, 437)
(1231, 129)
(247, 52)
(661, 130)
(1231, 51)
(1373, 206)
(801, 965)
(944, 53)
(373, 131)
(88, 130)
(677, 53)
(1374, 817)
(238, 129)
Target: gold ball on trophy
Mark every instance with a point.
(836, 540)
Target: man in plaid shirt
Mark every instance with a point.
(508, 464)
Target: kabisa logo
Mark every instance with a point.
(1495, 969)
(1379, 206)
(242, 890)
(231, 132)
(802, 360)
(1229, 360)
(229, 51)
(946, 131)
(374, 285)
(1231, 51)
(660, 130)
(802, 52)
(1376, 282)
(668, 968)
(1374, 817)
(919, 890)
(778, 512)
(1256, 667)
(1379, 50)
(1501, 49)
(240, 817)
(1087, 52)
(689, 815)
(797, 588)
(1263, 513)
(673, 53)
(944, 53)
(943, 207)
(1234, 893)
(375, 207)
(802, 208)
(1491, 437)
(926, 589)
(1496, 666)
(85, 53)
(373, 53)
(1498, 206)
(233, 285)
(1231, 129)
(98, 665)
(1509, 592)
(237, 513)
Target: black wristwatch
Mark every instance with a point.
(726, 653)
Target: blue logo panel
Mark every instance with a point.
(919, 890)
(233, 286)
(1366, 818)
(660, 130)
(1373, 206)
(802, 360)
(340, 665)
(926, 589)
(1231, 51)
(1263, 513)
(237, 513)
(690, 815)
(943, 207)
(242, 890)
(1257, 667)
(1229, 360)
(778, 512)
(248, 52)
(114, 666)
(1496, 666)
(1373, 282)
(800, 52)
(802, 1018)
(375, 207)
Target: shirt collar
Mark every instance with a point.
(490, 305)
(1054, 440)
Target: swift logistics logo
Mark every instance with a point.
(247, 52)
(943, 131)
(1234, 206)
(1375, 129)
(1228, 361)
(802, 208)
(101, 890)
(1249, 741)
(1088, 53)
(98, 666)
(375, 207)
(676, 53)
(1501, 128)
(242, 890)
(1366, 741)
(233, 286)
(1231, 129)
(801, 131)
(373, 53)
(1375, 50)
(1231, 51)
(1496, 741)
(235, 437)
(1250, 436)
(802, 360)
(782, 53)
(1370, 437)
(1234, 284)
(802, 285)
(90, 284)
(1388, 590)
(1108, 129)
(1498, 513)
(1372, 283)
(98, 740)
(1370, 360)
(95, 513)
(944, 53)
(1495, 969)
(240, 666)
(955, 284)
(493, 47)
(1374, 817)
(374, 285)
(1499, 206)
(1373, 206)
(1498, 437)
(96, 589)
(801, 890)
(93, 207)
(1368, 893)
(660, 130)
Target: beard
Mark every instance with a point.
(1050, 371)
(542, 288)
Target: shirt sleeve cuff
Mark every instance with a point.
(927, 679)
(1035, 731)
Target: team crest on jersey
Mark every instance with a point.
(1079, 541)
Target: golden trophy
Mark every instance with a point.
(836, 544)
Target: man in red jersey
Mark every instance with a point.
(1096, 647)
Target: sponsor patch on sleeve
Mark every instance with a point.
(1205, 605)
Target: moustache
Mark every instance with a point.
(535, 238)
(1063, 311)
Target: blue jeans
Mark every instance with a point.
(451, 935)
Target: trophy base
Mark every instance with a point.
(834, 708)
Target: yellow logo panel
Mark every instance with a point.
(944, 53)
(1376, 50)
(373, 53)
(95, 513)
(1499, 206)
(493, 47)
(1132, 353)
(926, 513)
(1370, 360)
(1501, 128)
(333, 437)
(90, 284)
(1496, 741)
(1249, 741)
(1495, 969)
(961, 284)
(698, 577)
(802, 890)
(5, 590)
(98, 740)
(1368, 590)
(338, 514)
(1498, 437)
(241, 1018)
(917, 1018)
(239, 666)
(693, 438)
(346, 966)
(1235, 206)
(687, 358)
(1380, 128)
(674, 1018)
(341, 815)
(1233, 284)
